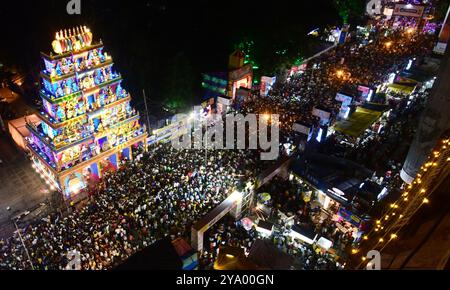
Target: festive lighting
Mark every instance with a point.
(381, 240)
(72, 90)
(393, 236)
(425, 200)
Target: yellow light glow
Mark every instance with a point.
(425, 200)
(381, 240)
(365, 238)
(388, 44)
(229, 256)
(393, 236)
(363, 258)
(354, 251)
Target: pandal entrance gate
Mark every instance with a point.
(237, 202)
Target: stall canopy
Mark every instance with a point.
(342, 180)
(159, 256)
(304, 233)
(265, 227)
(267, 255)
(358, 122)
(401, 89)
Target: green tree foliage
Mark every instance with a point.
(348, 9)
(177, 84)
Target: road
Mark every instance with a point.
(21, 188)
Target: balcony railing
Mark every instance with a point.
(55, 100)
(45, 74)
(57, 124)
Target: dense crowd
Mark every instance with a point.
(287, 198)
(164, 192)
(160, 195)
(341, 68)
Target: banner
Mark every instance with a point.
(322, 114)
(266, 85)
(349, 216)
(301, 128)
(408, 10)
(346, 102)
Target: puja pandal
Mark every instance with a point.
(87, 123)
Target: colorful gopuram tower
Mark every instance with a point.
(87, 123)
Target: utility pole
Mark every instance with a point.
(23, 244)
(146, 110)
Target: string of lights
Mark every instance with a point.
(416, 195)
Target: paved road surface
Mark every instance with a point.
(21, 188)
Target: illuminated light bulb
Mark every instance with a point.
(395, 206)
(363, 258)
(422, 190)
(425, 200)
(393, 214)
(378, 221)
(354, 251)
(365, 238)
(386, 217)
(381, 240)
(405, 199)
(435, 164)
(400, 216)
(376, 230)
(393, 236)
(392, 205)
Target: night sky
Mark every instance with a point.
(163, 45)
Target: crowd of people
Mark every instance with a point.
(287, 198)
(163, 193)
(159, 196)
(341, 68)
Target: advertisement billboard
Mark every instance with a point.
(408, 10)
(323, 114)
(300, 128)
(350, 217)
(346, 102)
(266, 85)
(365, 93)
